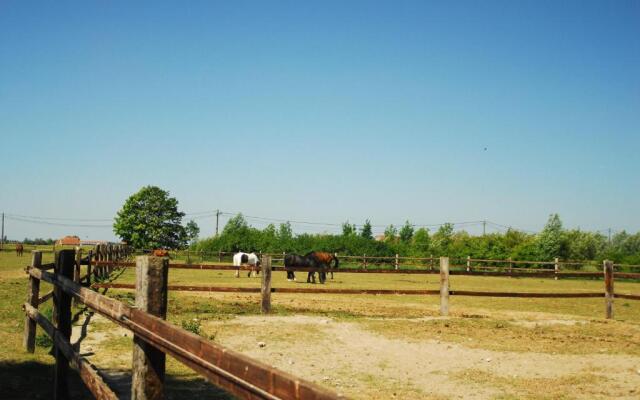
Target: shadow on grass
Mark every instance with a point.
(34, 380)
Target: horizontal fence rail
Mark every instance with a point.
(232, 371)
(460, 270)
(188, 288)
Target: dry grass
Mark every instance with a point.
(549, 326)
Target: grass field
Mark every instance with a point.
(369, 346)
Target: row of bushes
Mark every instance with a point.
(553, 241)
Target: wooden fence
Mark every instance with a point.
(153, 338)
(443, 270)
(397, 261)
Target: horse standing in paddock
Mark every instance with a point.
(314, 259)
(325, 258)
(252, 259)
(19, 249)
(294, 260)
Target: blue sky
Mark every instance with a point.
(322, 111)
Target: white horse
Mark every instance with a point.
(251, 259)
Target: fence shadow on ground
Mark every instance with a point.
(34, 380)
(177, 387)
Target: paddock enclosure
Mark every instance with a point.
(493, 330)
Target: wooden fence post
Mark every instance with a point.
(89, 256)
(444, 286)
(431, 261)
(33, 293)
(468, 263)
(266, 285)
(556, 268)
(510, 265)
(364, 261)
(76, 270)
(608, 288)
(65, 262)
(397, 261)
(148, 366)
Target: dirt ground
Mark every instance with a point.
(358, 361)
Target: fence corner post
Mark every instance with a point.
(64, 267)
(148, 366)
(556, 267)
(266, 285)
(397, 261)
(468, 263)
(444, 286)
(608, 288)
(33, 293)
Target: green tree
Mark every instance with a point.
(390, 234)
(193, 230)
(150, 219)
(421, 242)
(550, 240)
(443, 239)
(406, 232)
(348, 229)
(366, 231)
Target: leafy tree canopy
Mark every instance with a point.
(150, 219)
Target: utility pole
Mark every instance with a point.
(609, 235)
(217, 218)
(484, 227)
(2, 234)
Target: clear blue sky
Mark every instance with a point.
(323, 111)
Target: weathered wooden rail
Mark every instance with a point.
(153, 338)
(444, 270)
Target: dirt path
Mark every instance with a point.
(363, 364)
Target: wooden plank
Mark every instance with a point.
(33, 293)
(65, 260)
(444, 286)
(45, 298)
(203, 356)
(266, 285)
(628, 296)
(148, 366)
(87, 372)
(367, 291)
(608, 288)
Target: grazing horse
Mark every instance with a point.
(19, 249)
(325, 258)
(314, 259)
(252, 259)
(294, 260)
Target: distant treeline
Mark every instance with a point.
(553, 241)
(35, 241)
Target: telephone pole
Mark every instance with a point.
(484, 227)
(609, 235)
(217, 219)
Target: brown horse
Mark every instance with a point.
(323, 258)
(160, 253)
(19, 249)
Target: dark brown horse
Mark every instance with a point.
(325, 258)
(19, 249)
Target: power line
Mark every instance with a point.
(43, 222)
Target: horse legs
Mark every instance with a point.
(238, 272)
